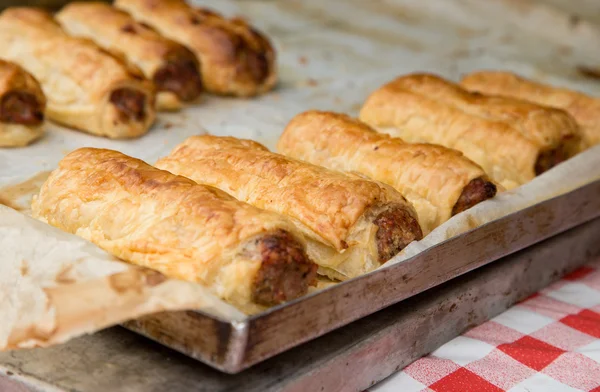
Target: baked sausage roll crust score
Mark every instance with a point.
(437, 181)
(22, 106)
(512, 140)
(585, 109)
(187, 231)
(352, 225)
(172, 67)
(235, 59)
(86, 87)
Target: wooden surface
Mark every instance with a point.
(349, 359)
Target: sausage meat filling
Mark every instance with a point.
(19, 107)
(181, 78)
(258, 65)
(476, 191)
(129, 103)
(286, 271)
(396, 228)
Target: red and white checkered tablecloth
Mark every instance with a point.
(549, 342)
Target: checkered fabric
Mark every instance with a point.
(549, 342)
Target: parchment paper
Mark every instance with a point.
(55, 286)
(332, 54)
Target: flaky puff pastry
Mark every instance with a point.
(22, 106)
(235, 59)
(585, 109)
(511, 139)
(352, 225)
(86, 87)
(439, 182)
(187, 231)
(172, 67)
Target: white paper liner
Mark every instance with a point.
(55, 286)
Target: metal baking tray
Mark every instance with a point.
(234, 346)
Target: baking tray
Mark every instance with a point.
(234, 346)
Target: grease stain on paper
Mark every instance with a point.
(18, 196)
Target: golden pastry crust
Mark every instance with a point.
(235, 59)
(508, 138)
(86, 87)
(172, 67)
(352, 224)
(548, 127)
(584, 108)
(187, 231)
(432, 178)
(22, 106)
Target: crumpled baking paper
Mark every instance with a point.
(55, 286)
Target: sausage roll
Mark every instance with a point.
(172, 67)
(86, 87)
(187, 231)
(512, 140)
(585, 109)
(352, 225)
(438, 181)
(22, 106)
(235, 59)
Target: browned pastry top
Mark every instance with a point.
(91, 65)
(584, 108)
(87, 87)
(234, 57)
(172, 66)
(433, 178)
(328, 202)
(156, 219)
(544, 125)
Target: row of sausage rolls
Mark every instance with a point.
(351, 224)
(438, 181)
(257, 249)
(101, 66)
(512, 140)
(86, 88)
(235, 58)
(172, 67)
(150, 217)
